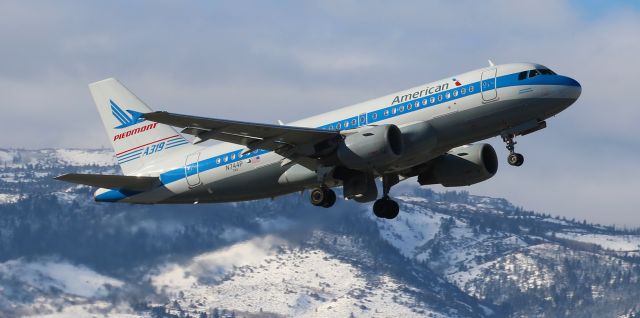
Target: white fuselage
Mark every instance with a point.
(462, 109)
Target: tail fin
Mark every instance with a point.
(136, 142)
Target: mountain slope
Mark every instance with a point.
(447, 255)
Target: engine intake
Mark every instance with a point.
(462, 166)
(372, 148)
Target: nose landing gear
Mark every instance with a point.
(514, 158)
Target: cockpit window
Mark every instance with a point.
(546, 71)
(522, 75)
(533, 73)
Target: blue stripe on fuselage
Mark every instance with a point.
(115, 195)
(371, 117)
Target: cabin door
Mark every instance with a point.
(191, 170)
(488, 85)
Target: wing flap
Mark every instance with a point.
(112, 181)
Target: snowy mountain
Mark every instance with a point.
(447, 255)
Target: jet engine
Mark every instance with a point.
(462, 166)
(371, 148)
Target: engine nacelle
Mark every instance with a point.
(375, 147)
(462, 166)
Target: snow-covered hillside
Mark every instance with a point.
(12, 158)
(447, 255)
(620, 243)
(267, 275)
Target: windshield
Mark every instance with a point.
(535, 72)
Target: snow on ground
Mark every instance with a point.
(66, 197)
(58, 289)
(261, 275)
(6, 155)
(214, 266)
(77, 157)
(557, 221)
(9, 198)
(9, 177)
(616, 243)
(94, 309)
(46, 275)
(522, 268)
(413, 227)
(461, 278)
(13, 158)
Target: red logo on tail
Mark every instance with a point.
(134, 131)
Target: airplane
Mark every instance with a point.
(426, 132)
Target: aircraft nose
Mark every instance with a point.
(572, 89)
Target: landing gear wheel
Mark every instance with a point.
(330, 198)
(386, 208)
(515, 159)
(323, 197)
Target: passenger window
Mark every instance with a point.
(470, 89)
(522, 75)
(447, 95)
(226, 158)
(424, 102)
(374, 116)
(463, 91)
(386, 112)
(401, 109)
(455, 93)
(233, 156)
(409, 106)
(393, 111)
(218, 161)
(533, 73)
(432, 100)
(346, 124)
(354, 122)
(338, 126)
(439, 97)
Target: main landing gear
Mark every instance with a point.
(323, 197)
(514, 158)
(385, 207)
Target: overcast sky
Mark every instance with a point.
(264, 61)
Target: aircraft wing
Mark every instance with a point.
(112, 181)
(288, 141)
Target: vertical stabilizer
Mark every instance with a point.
(136, 142)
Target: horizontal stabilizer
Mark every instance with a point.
(112, 181)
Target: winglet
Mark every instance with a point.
(491, 63)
